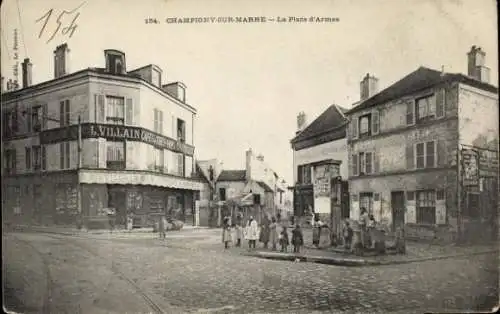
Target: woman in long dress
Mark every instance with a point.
(273, 233)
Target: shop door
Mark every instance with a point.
(118, 201)
(398, 209)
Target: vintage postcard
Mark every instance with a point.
(265, 156)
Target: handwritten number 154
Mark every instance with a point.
(69, 29)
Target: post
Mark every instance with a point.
(459, 195)
(79, 165)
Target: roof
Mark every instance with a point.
(264, 186)
(331, 119)
(418, 80)
(232, 175)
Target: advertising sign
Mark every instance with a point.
(470, 167)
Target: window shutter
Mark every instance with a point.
(27, 157)
(410, 112)
(440, 103)
(130, 158)
(61, 155)
(44, 116)
(103, 157)
(376, 162)
(440, 207)
(348, 130)
(355, 126)
(100, 109)
(355, 164)
(155, 117)
(160, 120)
(165, 160)
(67, 120)
(61, 113)
(411, 208)
(375, 122)
(368, 161)
(377, 206)
(15, 122)
(29, 119)
(44, 157)
(410, 157)
(129, 112)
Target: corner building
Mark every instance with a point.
(132, 149)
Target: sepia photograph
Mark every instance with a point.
(250, 156)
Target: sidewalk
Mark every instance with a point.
(415, 252)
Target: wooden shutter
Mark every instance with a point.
(440, 103)
(377, 206)
(100, 109)
(355, 164)
(166, 156)
(155, 117)
(129, 112)
(375, 122)
(67, 112)
(348, 130)
(44, 157)
(376, 162)
(103, 156)
(410, 157)
(61, 155)
(410, 112)
(130, 157)
(160, 121)
(61, 113)
(368, 157)
(44, 116)
(411, 208)
(29, 119)
(440, 207)
(355, 126)
(354, 213)
(27, 157)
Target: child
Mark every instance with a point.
(348, 233)
(239, 233)
(284, 240)
(226, 233)
(297, 239)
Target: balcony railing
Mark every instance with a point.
(115, 164)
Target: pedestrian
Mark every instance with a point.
(162, 224)
(370, 228)
(284, 240)
(347, 233)
(252, 233)
(238, 230)
(273, 233)
(363, 221)
(111, 219)
(297, 239)
(265, 231)
(317, 224)
(226, 233)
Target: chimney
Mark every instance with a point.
(301, 122)
(176, 89)
(368, 86)
(475, 66)
(248, 166)
(61, 60)
(115, 61)
(27, 72)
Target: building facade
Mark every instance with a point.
(406, 151)
(320, 165)
(98, 138)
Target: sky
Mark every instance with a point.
(249, 81)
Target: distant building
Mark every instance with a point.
(320, 164)
(135, 153)
(424, 153)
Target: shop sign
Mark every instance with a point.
(122, 132)
(470, 166)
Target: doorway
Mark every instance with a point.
(398, 209)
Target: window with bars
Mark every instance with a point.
(115, 110)
(426, 207)
(115, 153)
(366, 201)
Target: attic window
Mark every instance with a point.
(118, 66)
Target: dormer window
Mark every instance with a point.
(118, 66)
(115, 62)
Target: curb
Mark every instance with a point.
(355, 262)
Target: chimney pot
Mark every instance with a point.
(301, 121)
(368, 86)
(475, 64)
(27, 72)
(61, 60)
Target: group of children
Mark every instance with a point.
(251, 233)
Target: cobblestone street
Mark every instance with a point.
(195, 274)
